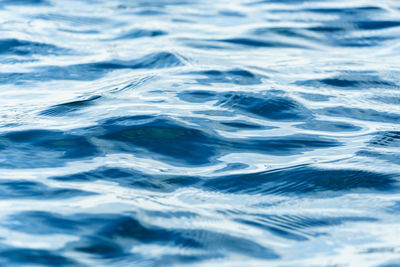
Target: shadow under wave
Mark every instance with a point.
(92, 71)
(302, 180)
(291, 181)
(19, 47)
(69, 107)
(268, 105)
(111, 236)
(161, 137)
(20, 189)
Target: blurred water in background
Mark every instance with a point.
(213, 133)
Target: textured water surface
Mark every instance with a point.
(237, 133)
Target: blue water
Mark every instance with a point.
(205, 133)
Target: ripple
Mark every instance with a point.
(268, 106)
(389, 138)
(234, 76)
(109, 235)
(259, 43)
(328, 126)
(177, 143)
(66, 108)
(93, 71)
(163, 137)
(297, 227)
(132, 178)
(197, 96)
(34, 256)
(351, 81)
(301, 180)
(361, 114)
(139, 33)
(20, 189)
(27, 48)
(43, 148)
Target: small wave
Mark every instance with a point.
(301, 180)
(92, 71)
(27, 48)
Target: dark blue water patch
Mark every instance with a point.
(360, 114)
(316, 97)
(43, 148)
(329, 34)
(282, 145)
(177, 143)
(163, 137)
(233, 76)
(34, 257)
(139, 33)
(150, 12)
(359, 11)
(328, 126)
(336, 34)
(20, 189)
(28, 48)
(43, 222)
(84, 225)
(302, 180)
(93, 71)
(233, 167)
(284, 31)
(376, 25)
(159, 4)
(83, 32)
(172, 214)
(393, 208)
(392, 100)
(392, 158)
(326, 29)
(268, 105)
(339, 82)
(361, 42)
(250, 42)
(215, 112)
(181, 20)
(199, 96)
(229, 13)
(385, 139)
(25, 2)
(350, 81)
(132, 178)
(211, 242)
(390, 263)
(245, 125)
(168, 183)
(113, 236)
(69, 107)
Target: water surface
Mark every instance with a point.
(211, 133)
